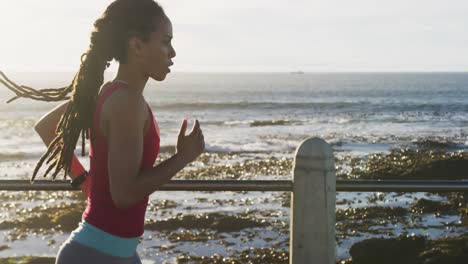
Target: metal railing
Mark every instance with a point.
(256, 185)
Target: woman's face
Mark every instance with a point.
(156, 54)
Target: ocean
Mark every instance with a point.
(247, 119)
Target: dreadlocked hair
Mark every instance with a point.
(121, 20)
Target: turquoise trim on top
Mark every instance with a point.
(91, 236)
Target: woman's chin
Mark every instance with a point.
(159, 76)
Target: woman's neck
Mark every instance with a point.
(135, 79)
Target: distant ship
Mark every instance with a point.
(297, 72)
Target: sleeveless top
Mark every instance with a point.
(101, 211)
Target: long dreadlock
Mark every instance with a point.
(121, 20)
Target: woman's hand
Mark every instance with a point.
(191, 146)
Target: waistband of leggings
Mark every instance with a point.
(93, 237)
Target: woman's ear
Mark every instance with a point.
(135, 46)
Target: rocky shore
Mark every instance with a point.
(368, 219)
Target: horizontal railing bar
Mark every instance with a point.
(402, 186)
(259, 185)
(227, 185)
(174, 185)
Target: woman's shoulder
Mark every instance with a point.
(123, 104)
(121, 99)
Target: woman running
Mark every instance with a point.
(124, 135)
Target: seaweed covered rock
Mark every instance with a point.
(450, 250)
(214, 221)
(246, 169)
(437, 144)
(424, 206)
(387, 212)
(410, 164)
(414, 250)
(402, 250)
(63, 216)
(251, 255)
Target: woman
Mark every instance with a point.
(124, 136)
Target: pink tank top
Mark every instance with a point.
(101, 211)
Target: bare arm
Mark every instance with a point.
(46, 126)
(129, 185)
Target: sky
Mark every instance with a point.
(255, 35)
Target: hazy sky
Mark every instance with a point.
(256, 35)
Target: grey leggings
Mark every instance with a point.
(72, 252)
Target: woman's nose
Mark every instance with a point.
(172, 54)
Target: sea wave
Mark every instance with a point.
(280, 122)
(247, 105)
(364, 106)
(12, 156)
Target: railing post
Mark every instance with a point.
(313, 204)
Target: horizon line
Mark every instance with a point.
(297, 72)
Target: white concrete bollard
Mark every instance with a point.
(313, 204)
